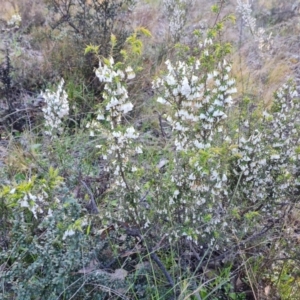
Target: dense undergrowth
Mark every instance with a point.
(136, 175)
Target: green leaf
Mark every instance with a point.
(91, 48)
(144, 31)
(215, 9)
(113, 40)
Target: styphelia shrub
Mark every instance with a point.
(55, 110)
(176, 11)
(119, 141)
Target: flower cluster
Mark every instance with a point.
(115, 93)
(30, 201)
(264, 42)
(33, 195)
(197, 109)
(15, 20)
(244, 8)
(176, 12)
(55, 110)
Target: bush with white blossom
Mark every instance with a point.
(176, 11)
(55, 110)
(120, 142)
(263, 41)
(197, 102)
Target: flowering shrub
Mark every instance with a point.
(176, 11)
(269, 151)
(244, 9)
(198, 101)
(55, 110)
(120, 142)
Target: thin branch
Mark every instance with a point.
(163, 269)
(92, 205)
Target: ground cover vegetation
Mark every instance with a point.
(142, 157)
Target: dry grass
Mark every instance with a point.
(31, 11)
(260, 83)
(21, 158)
(7, 9)
(267, 4)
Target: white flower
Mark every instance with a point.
(130, 133)
(185, 88)
(100, 117)
(67, 233)
(231, 91)
(161, 100)
(174, 92)
(176, 193)
(116, 134)
(199, 145)
(218, 113)
(228, 100)
(126, 107)
(147, 224)
(138, 150)
(169, 66)
(294, 94)
(111, 60)
(113, 102)
(223, 88)
(192, 176)
(179, 127)
(121, 74)
(231, 82)
(263, 162)
(194, 79)
(130, 72)
(218, 103)
(210, 76)
(170, 79)
(228, 68)
(202, 116)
